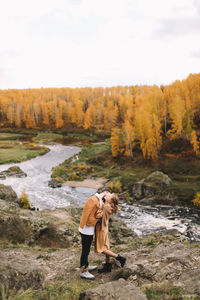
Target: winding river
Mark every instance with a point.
(38, 172)
(141, 219)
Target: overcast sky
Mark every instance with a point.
(77, 43)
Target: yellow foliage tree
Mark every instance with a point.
(129, 138)
(194, 141)
(117, 142)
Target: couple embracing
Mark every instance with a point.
(95, 219)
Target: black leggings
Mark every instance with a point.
(86, 241)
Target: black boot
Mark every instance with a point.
(106, 268)
(121, 259)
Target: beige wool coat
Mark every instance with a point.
(101, 229)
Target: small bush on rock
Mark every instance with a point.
(196, 200)
(24, 201)
(116, 187)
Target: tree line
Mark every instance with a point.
(135, 116)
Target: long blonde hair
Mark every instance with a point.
(114, 203)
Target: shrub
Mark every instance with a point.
(187, 154)
(24, 201)
(196, 200)
(59, 179)
(116, 187)
(59, 171)
(14, 168)
(73, 176)
(130, 198)
(33, 145)
(4, 291)
(81, 167)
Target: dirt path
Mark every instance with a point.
(89, 183)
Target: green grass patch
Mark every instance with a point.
(191, 245)
(46, 137)
(81, 168)
(166, 291)
(81, 134)
(184, 191)
(60, 290)
(148, 242)
(12, 151)
(9, 245)
(8, 136)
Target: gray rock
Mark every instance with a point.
(190, 281)
(2, 176)
(119, 233)
(54, 183)
(138, 190)
(119, 290)
(14, 171)
(158, 178)
(21, 275)
(170, 260)
(7, 193)
(154, 189)
(33, 228)
(9, 206)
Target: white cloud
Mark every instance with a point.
(91, 42)
(195, 53)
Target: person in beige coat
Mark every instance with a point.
(86, 229)
(101, 231)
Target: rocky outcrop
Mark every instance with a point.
(53, 183)
(190, 281)
(8, 199)
(151, 260)
(170, 261)
(154, 189)
(47, 229)
(7, 193)
(58, 228)
(20, 275)
(120, 234)
(119, 289)
(14, 171)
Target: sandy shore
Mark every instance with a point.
(89, 183)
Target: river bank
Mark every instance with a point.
(96, 161)
(16, 148)
(87, 183)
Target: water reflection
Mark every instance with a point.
(72, 141)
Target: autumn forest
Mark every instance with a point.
(136, 117)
